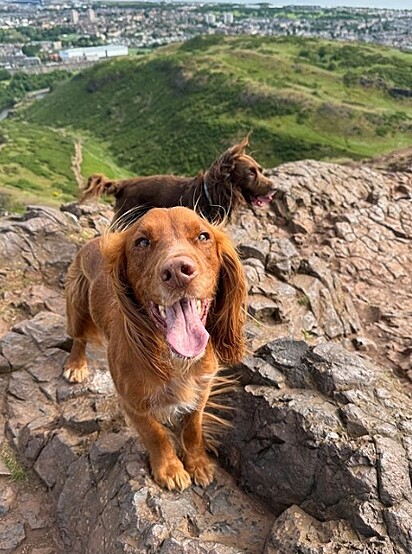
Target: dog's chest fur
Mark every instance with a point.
(178, 396)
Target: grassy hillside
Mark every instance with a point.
(36, 163)
(175, 109)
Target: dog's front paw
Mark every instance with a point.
(201, 469)
(172, 475)
(76, 372)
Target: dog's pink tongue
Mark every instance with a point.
(262, 200)
(185, 331)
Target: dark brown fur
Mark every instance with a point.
(112, 287)
(215, 193)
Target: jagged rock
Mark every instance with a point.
(7, 496)
(332, 440)
(44, 253)
(263, 308)
(362, 226)
(35, 515)
(35, 251)
(38, 298)
(11, 535)
(321, 435)
(290, 292)
(283, 260)
(296, 531)
(16, 350)
(257, 249)
(35, 329)
(316, 428)
(97, 471)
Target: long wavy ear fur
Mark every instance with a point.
(139, 331)
(229, 310)
(221, 168)
(238, 149)
(96, 186)
(112, 247)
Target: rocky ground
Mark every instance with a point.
(321, 443)
(351, 229)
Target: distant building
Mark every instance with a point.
(19, 62)
(228, 18)
(93, 52)
(74, 16)
(27, 2)
(91, 15)
(210, 18)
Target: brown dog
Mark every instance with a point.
(215, 194)
(168, 295)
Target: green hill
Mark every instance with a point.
(175, 109)
(36, 164)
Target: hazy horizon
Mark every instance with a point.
(377, 4)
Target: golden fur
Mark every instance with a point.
(119, 286)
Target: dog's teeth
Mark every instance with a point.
(162, 311)
(199, 306)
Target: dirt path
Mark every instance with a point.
(77, 160)
(397, 160)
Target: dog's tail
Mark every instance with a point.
(97, 185)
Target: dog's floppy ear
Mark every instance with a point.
(234, 152)
(221, 168)
(224, 165)
(229, 310)
(113, 249)
(239, 149)
(138, 329)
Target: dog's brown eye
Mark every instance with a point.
(142, 242)
(253, 171)
(203, 236)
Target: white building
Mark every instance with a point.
(228, 18)
(93, 52)
(210, 18)
(74, 16)
(91, 15)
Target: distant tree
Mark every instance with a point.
(31, 50)
(301, 117)
(350, 79)
(304, 53)
(82, 42)
(55, 33)
(382, 131)
(4, 75)
(21, 83)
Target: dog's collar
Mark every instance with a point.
(206, 190)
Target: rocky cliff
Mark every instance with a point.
(319, 457)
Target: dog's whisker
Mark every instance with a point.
(123, 222)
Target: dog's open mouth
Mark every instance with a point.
(260, 201)
(183, 324)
